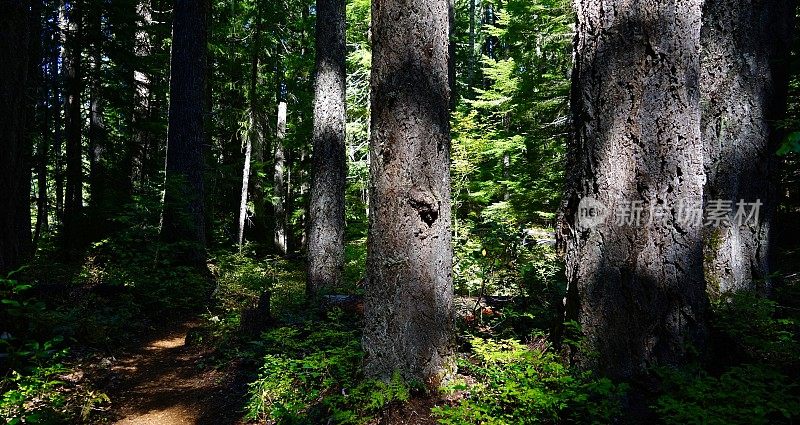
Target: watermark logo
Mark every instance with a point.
(591, 213)
(688, 213)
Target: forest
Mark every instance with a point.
(495, 212)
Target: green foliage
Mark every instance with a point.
(514, 383)
(30, 388)
(747, 394)
(509, 132)
(241, 279)
(752, 322)
(310, 373)
(759, 348)
(790, 145)
(19, 312)
(39, 396)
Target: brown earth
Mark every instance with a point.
(164, 382)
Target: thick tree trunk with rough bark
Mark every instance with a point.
(636, 289)
(408, 302)
(183, 219)
(745, 59)
(73, 202)
(15, 218)
(329, 169)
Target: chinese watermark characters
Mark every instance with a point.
(688, 213)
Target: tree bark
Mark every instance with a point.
(38, 118)
(58, 140)
(142, 139)
(15, 218)
(329, 164)
(451, 53)
(98, 173)
(73, 203)
(636, 290)
(279, 187)
(183, 219)
(408, 302)
(254, 134)
(745, 59)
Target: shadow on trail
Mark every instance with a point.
(163, 381)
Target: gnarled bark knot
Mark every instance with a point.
(425, 204)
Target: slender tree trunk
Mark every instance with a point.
(37, 119)
(248, 153)
(59, 107)
(254, 133)
(262, 192)
(98, 175)
(142, 139)
(635, 286)
(15, 218)
(745, 59)
(471, 70)
(43, 158)
(506, 175)
(73, 203)
(279, 175)
(329, 165)
(304, 191)
(451, 53)
(408, 302)
(183, 219)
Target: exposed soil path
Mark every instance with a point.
(164, 382)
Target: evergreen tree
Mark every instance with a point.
(183, 219)
(636, 285)
(329, 172)
(409, 295)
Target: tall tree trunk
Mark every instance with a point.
(254, 134)
(745, 59)
(636, 288)
(98, 175)
(15, 218)
(471, 69)
(451, 53)
(73, 203)
(37, 119)
(408, 303)
(183, 219)
(280, 238)
(329, 164)
(304, 191)
(142, 139)
(59, 52)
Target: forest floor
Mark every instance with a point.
(164, 381)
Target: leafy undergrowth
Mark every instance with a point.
(527, 384)
(753, 376)
(745, 394)
(37, 384)
(303, 366)
(310, 373)
(307, 368)
(59, 318)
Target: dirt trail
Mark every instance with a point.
(161, 382)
